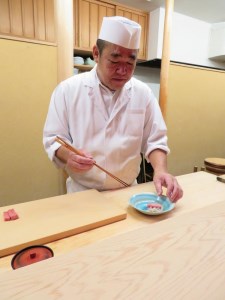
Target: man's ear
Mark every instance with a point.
(95, 53)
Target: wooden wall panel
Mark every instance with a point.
(39, 19)
(135, 17)
(49, 21)
(110, 12)
(127, 14)
(15, 9)
(84, 32)
(88, 20)
(105, 10)
(4, 17)
(142, 20)
(94, 26)
(102, 14)
(28, 19)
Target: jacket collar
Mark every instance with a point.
(90, 81)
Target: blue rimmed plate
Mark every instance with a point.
(141, 202)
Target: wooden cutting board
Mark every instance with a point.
(46, 220)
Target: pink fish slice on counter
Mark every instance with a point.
(10, 215)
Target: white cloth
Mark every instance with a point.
(78, 114)
(109, 98)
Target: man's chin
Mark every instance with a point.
(118, 84)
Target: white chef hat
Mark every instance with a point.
(121, 31)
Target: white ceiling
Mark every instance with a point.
(210, 11)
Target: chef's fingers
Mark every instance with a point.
(79, 163)
(174, 191)
(163, 179)
(86, 154)
(158, 185)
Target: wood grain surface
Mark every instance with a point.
(200, 190)
(179, 258)
(54, 218)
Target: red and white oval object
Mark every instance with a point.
(31, 255)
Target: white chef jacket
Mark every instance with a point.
(78, 115)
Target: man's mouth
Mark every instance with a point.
(119, 79)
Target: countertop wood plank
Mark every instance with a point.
(50, 219)
(180, 258)
(200, 189)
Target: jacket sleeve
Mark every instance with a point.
(56, 124)
(155, 130)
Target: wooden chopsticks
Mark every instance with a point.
(63, 143)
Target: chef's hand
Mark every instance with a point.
(80, 164)
(76, 163)
(163, 179)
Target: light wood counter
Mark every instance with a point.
(200, 189)
(181, 257)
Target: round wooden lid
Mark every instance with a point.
(215, 162)
(214, 170)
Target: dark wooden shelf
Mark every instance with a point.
(155, 63)
(83, 67)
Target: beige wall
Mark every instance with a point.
(195, 117)
(28, 74)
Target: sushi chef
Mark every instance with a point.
(110, 117)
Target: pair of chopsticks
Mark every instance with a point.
(76, 151)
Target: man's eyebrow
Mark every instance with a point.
(133, 56)
(116, 55)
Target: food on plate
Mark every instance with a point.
(154, 207)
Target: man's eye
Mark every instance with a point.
(114, 62)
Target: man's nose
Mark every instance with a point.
(122, 69)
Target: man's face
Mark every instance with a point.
(115, 65)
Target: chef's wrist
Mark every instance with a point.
(62, 154)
